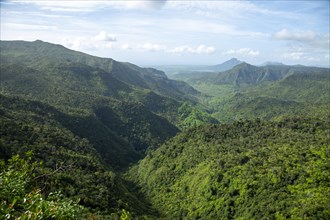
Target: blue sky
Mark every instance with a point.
(177, 32)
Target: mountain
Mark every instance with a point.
(76, 155)
(227, 65)
(244, 170)
(180, 71)
(268, 92)
(87, 118)
(82, 94)
(271, 63)
(89, 137)
(246, 74)
(72, 73)
(185, 73)
(39, 54)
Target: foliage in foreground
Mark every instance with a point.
(76, 168)
(21, 199)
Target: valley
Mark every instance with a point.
(119, 141)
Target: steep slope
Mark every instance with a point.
(227, 65)
(87, 118)
(75, 161)
(189, 75)
(244, 170)
(53, 72)
(242, 74)
(271, 63)
(311, 86)
(85, 94)
(156, 80)
(247, 91)
(246, 74)
(183, 71)
(301, 93)
(38, 53)
(116, 151)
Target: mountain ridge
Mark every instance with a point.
(227, 65)
(104, 76)
(89, 121)
(110, 95)
(247, 74)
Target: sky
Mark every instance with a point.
(166, 32)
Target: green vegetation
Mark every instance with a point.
(73, 81)
(247, 92)
(244, 170)
(20, 199)
(86, 118)
(112, 140)
(71, 164)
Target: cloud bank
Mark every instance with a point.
(307, 37)
(245, 52)
(201, 49)
(104, 36)
(304, 36)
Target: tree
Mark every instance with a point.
(21, 199)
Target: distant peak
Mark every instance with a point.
(244, 64)
(39, 41)
(234, 59)
(227, 64)
(272, 63)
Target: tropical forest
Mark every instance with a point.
(86, 136)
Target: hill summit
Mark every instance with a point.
(227, 65)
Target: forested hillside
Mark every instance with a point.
(72, 80)
(79, 157)
(266, 92)
(84, 137)
(86, 118)
(244, 170)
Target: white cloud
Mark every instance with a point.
(126, 47)
(206, 5)
(303, 56)
(65, 6)
(110, 45)
(294, 55)
(31, 27)
(79, 43)
(223, 9)
(151, 47)
(313, 59)
(201, 49)
(138, 4)
(104, 36)
(285, 34)
(90, 6)
(102, 40)
(210, 27)
(309, 38)
(204, 49)
(246, 52)
(179, 50)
